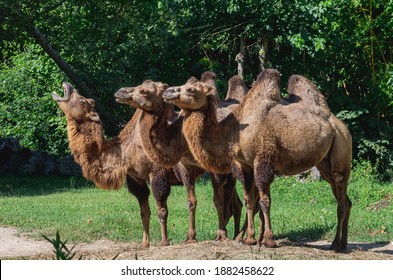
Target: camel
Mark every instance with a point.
(267, 136)
(165, 144)
(108, 163)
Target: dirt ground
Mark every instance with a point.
(13, 246)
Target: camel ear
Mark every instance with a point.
(92, 102)
(207, 89)
(94, 117)
(162, 87)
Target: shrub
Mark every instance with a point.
(27, 110)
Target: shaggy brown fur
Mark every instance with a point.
(303, 91)
(164, 143)
(237, 89)
(109, 162)
(266, 136)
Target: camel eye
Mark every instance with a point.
(82, 100)
(144, 91)
(191, 90)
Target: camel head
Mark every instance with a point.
(190, 96)
(145, 96)
(75, 106)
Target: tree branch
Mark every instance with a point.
(67, 69)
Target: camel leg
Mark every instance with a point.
(141, 191)
(264, 176)
(338, 180)
(262, 222)
(247, 180)
(159, 182)
(227, 203)
(219, 198)
(191, 204)
(243, 230)
(235, 204)
(188, 179)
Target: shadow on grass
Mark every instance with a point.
(314, 233)
(378, 247)
(311, 237)
(40, 185)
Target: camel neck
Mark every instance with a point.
(85, 136)
(163, 141)
(208, 139)
(100, 159)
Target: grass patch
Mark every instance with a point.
(83, 213)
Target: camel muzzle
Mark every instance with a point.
(123, 95)
(68, 89)
(170, 94)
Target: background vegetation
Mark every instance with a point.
(346, 47)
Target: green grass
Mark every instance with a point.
(83, 213)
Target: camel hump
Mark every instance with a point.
(237, 89)
(208, 77)
(268, 74)
(304, 88)
(293, 80)
(192, 80)
(267, 85)
(301, 90)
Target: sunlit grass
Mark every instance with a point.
(83, 213)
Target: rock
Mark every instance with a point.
(28, 162)
(8, 147)
(309, 175)
(68, 167)
(18, 160)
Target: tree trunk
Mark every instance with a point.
(66, 68)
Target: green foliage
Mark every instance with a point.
(27, 110)
(368, 144)
(345, 47)
(60, 248)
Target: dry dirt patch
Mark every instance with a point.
(14, 246)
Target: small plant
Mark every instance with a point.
(61, 250)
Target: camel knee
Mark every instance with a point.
(247, 203)
(163, 216)
(219, 204)
(145, 213)
(264, 174)
(264, 204)
(338, 177)
(161, 192)
(349, 202)
(191, 204)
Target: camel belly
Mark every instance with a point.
(304, 147)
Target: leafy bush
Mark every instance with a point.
(27, 110)
(372, 141)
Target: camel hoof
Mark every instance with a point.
(165, 243)
(240, 236)
(248, 241)
(339, 249)
(269, 243)
(222, 238)
(190, 241)
(145, 245)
